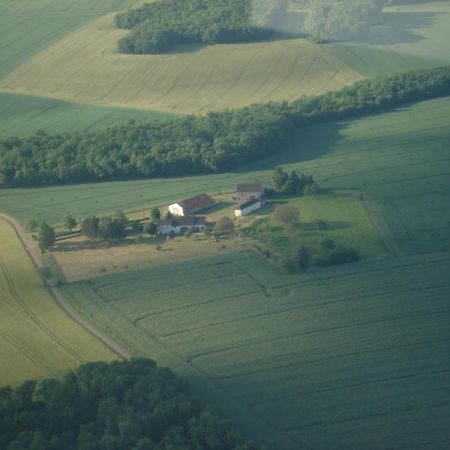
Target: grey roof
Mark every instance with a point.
(249, 203)
(184, 221)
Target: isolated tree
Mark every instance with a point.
(111, 229)
(121, 218)
(155, 214)
(286, 215)
(279, 179)
(89, 227)
(301, 258)
(32, 226)
(151, 228)
(70, 222)
(223, 225)
(46, 236)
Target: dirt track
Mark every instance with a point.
(58, 295)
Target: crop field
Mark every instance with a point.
(23, 115)
(398, 162)
(37, 339)
(28, 27)
(84, 66)
(352, 357)
(413, 37)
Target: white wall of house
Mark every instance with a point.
(248, 210)
(176, 209)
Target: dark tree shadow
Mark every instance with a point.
(400, 28)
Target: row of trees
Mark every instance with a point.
(215, 142)
(129, 405)
(156, 27)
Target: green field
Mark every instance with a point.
(37, 339)
(23, 115)
(399, 159)
(413, 37)
(340, 358)
(27, 27)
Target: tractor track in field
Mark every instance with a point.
(57, 293)
(27, 312)
(26, 353)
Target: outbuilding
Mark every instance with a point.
(248, 207)
(191, 205)
(181, 224)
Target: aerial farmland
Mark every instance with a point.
(319, 320)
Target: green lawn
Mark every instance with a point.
(342, 358)
(22, 115)
(342, 218)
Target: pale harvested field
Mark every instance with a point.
(84, 67)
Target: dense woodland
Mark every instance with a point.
(131, 405)
(157, 27)
(215, 142)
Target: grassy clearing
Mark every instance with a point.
(85, 67)
(414, 37)
(341, 358)
(37, 339)
(399, 159)
(23, 115)
(341, 218)
(28, 27)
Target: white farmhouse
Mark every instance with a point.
(191, 205)
(248, 207)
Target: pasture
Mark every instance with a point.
(37, 339)
(398, 162)
(23, 115)
(84, 66)
(352, 357)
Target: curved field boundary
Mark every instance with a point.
(57, 293)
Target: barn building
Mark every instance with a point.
(181, 224)
(248, 207)
(191, 205)
(250, 191)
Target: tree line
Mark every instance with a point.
(129, 405)
(215, 142)
(156, 27)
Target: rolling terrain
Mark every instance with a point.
(37, 339)
(84, 66)
(342, 358)
(413, 37)
(23, 115)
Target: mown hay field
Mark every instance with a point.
(23, 115)
(397, 161)
(84, 66)
(37, 339)
(352, 357)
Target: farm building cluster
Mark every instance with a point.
(182, 215)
